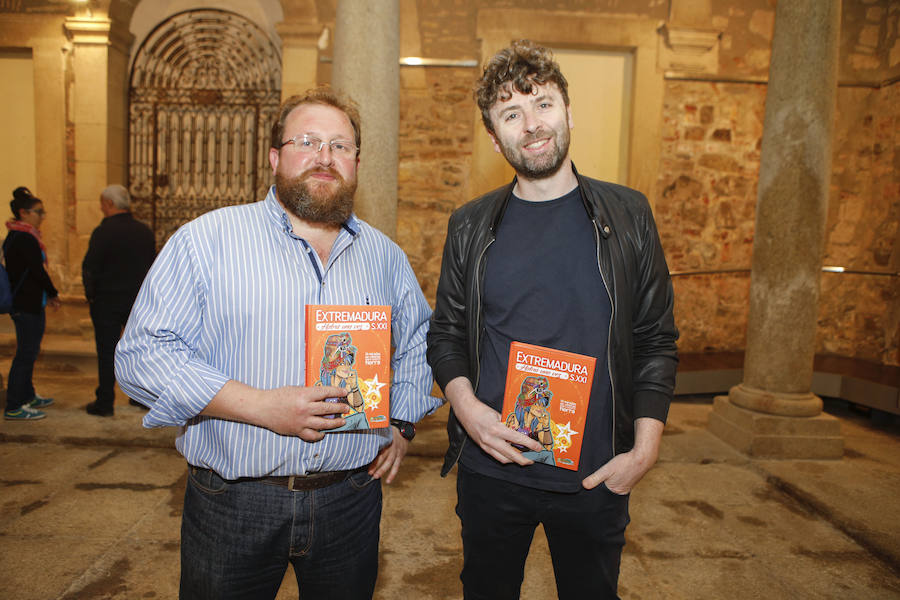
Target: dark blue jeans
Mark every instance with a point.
(585, 531)
(29, 333)
(237, 538)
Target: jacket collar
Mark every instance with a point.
(591, 204)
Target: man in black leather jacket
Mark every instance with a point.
(564, 261)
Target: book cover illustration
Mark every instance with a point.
(546, 398)
(350, 347)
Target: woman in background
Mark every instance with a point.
(26, 259)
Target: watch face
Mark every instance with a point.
(407, 430)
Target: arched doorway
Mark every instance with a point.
(205, 87)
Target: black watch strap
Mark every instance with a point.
(407, 429)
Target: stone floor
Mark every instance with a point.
(91, 509)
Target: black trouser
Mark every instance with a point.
(585, 531)
(109, 316)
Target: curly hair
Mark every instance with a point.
(520, 66)
(320, 95)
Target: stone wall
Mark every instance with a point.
(859, 315)
(705, 213)
(435, 152)
(706, 205)
(870, 45)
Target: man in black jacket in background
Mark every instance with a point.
(119, 255)
(558, 260)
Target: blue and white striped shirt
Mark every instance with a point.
(225, 300)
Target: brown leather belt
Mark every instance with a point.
(296, 483)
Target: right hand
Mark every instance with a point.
(289, 410)
(303, 411)
(484, 425)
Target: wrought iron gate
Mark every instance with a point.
(205, 88)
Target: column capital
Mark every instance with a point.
(688, 49)
(98, 31)
(88, 31)
(299, 34)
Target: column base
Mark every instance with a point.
(782, 404)
(763, 435)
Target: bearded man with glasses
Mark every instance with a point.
(215, 345)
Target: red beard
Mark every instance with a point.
(314, 201)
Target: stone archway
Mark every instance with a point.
(205, 87)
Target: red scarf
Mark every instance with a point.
(15, 225)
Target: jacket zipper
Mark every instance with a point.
(478, 333)
(612, 316)
(478, 313)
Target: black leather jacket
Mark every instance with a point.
(642, 352)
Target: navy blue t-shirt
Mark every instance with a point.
(542, 285)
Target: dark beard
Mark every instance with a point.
(543, 167)
(312, 203)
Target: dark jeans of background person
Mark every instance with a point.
(29, 333)
(237, 538)
(585, 531)
(109, 317)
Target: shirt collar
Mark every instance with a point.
(277, 212)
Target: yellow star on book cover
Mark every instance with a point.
(372, 391)
(562, 435)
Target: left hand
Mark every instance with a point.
(54, 303)
(620, 474)
(624, 471)
(389, 458)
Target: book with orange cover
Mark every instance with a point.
(349, 346)
(546, 398)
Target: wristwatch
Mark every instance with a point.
(407, 429)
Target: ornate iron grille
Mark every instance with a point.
(205, 88)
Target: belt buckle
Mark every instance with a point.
(290, 483)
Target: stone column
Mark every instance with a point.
(99, 101)
(366, 66)
(299, 57)
(773, 412)
(97, 115)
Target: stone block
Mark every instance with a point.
(720, 162)
(768, 436)
(695, 133)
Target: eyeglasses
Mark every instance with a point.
(37, 211)
(308, 144)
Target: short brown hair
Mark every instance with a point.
(320, 95)
(523, 65)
